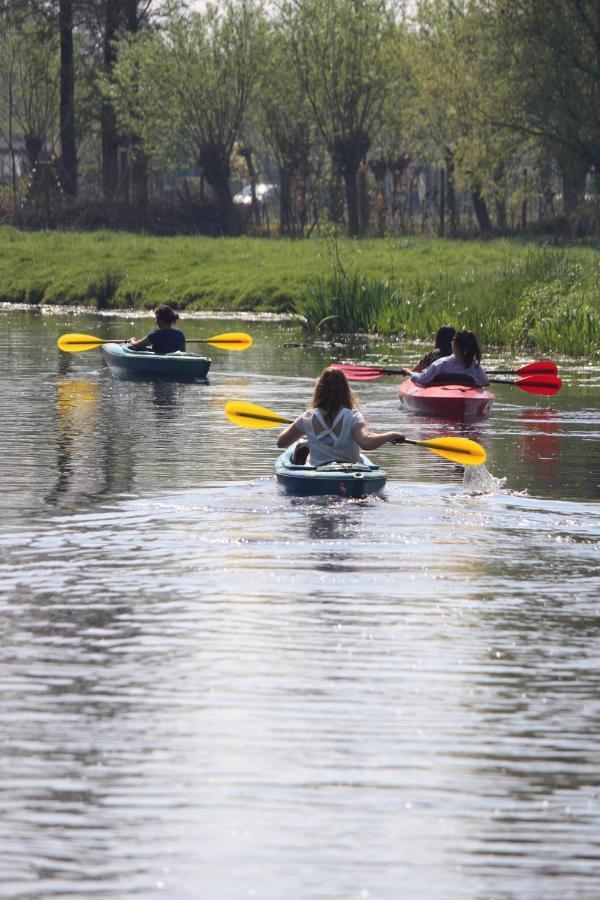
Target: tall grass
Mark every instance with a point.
(547, 302)
(508, 290)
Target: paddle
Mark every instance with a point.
(543, 367)
(77, 343)
(370, 373)
(534, 384)
(459, 450)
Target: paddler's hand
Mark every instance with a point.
(399, 439)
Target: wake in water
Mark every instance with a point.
(477, 480)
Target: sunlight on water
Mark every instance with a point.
(211, 689)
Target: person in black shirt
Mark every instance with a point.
(165, 339)
(443, 347)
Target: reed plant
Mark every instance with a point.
(510, 291)
(546, 301)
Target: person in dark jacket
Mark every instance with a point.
(443, 347)
(165, 338)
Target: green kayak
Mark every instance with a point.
(182, 366)
(341, 479)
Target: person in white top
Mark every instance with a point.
(464, 364)
(334, 427)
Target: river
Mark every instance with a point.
(210, 689)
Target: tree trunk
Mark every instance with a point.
(442, 225)
(350, 183)
(214, 162)
(246, 153)
(451, 194)
(573, 173)
(501, 212)
(363, 199)
(347, 155)
(285, 201)
(379, 169)
(110, 140)
(67, 100)
(139, 160)
(481, 211)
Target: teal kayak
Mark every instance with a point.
(341, 479)
(124, 362)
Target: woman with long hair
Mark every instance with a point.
(464, 363)
(334, 427)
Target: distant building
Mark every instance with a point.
(6, 162)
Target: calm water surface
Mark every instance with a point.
(212, 690)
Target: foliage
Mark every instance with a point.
(338, 49)
(185, 91)
(103, 288)
(348, 304)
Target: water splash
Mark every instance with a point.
(477, 480)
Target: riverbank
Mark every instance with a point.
(510, 291)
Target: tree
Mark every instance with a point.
(338, 49)
(284, 119)
(67, 98)
(185, 91)
(29, 71)
(551, 53)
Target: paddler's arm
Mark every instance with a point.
(371, 440)
(136, 344)
(288, 436)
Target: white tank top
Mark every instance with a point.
(330, 443)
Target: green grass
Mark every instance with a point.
(509, 291)
(545, 301)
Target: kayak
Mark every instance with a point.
(341, 479)
(456, 401)
(123, 361)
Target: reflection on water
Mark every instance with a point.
(211, 689)
(540, 441)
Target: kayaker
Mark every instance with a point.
(165, 339)
(442, 347)
(463, 363)
(334, 427)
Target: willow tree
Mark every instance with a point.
(551, 54)
(285, 120)
(338, 47)
(29, 89)
(185, 91)
(460, 88)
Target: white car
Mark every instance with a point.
(264, 193)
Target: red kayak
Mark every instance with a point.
(454, 401)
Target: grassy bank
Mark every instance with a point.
(509, 291)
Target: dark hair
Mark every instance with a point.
(443, 339)
(469, 347)
(165, 314)
(332, 391)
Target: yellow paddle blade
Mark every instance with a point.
(233, 340)
(459, 450)
(249, 415)
(76, 343)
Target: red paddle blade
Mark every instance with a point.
(539, 384)
(543, 367)
(363, 373)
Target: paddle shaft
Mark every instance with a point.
(79, 343)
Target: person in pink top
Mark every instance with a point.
(464, 364)
(334, 427)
